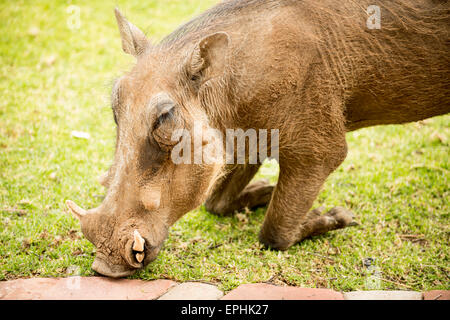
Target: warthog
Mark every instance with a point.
(313, 70)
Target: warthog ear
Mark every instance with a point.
(134, 41)
(209, 57)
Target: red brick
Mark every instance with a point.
(437, 295)
(83, 288)
(263, 291)
(383, 295)
(193, 291)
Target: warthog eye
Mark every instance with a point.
(195, 77)
(168, 120)
(165, 116)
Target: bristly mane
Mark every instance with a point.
(217, 17)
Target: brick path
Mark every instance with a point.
(83, 288)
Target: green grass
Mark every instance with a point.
(54, 80)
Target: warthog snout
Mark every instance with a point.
(114, 271)
(122, 248)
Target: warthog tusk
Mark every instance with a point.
(140, 256)
(138, 244)
(76, 210)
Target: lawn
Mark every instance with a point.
(56, 73)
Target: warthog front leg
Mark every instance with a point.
(336, 218)
(288, 219)
(233, 193)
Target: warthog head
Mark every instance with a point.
(146, 191)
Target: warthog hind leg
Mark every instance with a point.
(256, 194)
(233, 193)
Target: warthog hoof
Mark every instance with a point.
(343, 217)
